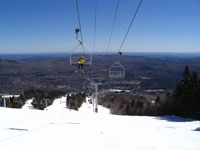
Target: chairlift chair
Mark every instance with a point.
(116, 71)
(80, 51)
(76, 54)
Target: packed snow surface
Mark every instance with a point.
(59, 128)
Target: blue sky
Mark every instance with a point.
(29, 26)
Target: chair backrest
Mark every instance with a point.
(116, 71)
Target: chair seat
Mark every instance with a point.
(76, 64)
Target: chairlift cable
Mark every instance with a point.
(130, 26)
(95, 23)
(113, 24)
(121, 74)
(79, 21)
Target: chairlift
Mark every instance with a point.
(80, 51)
(116, 71)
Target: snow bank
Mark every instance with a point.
(28, 104)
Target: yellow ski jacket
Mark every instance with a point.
(81, 61)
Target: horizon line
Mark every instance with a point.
(61, 52)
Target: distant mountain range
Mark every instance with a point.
(34, 56)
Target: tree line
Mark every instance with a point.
(183, 101)
(39, 98)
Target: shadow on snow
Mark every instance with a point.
(197, 129)
(18, 129)
(174, 119)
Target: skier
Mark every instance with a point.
(81, 62)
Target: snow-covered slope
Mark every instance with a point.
(63, 129)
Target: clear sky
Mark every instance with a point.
(28, 26)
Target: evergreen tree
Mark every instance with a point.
(185, 99)
(157, 100)
(186, 75)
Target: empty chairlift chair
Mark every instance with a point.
(116, 71)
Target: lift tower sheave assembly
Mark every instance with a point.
(95, 82)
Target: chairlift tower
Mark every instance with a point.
(95, 82)
(46, 103)
(95, 101)
(4, 99)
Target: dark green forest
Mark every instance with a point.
(184, 101)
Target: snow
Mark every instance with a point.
(28, 105)
(61, 128)
(9, 96)
(117, 90)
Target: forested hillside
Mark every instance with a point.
(56, 73)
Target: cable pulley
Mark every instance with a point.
(120, 53)
(77, 33)
(77, 30)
